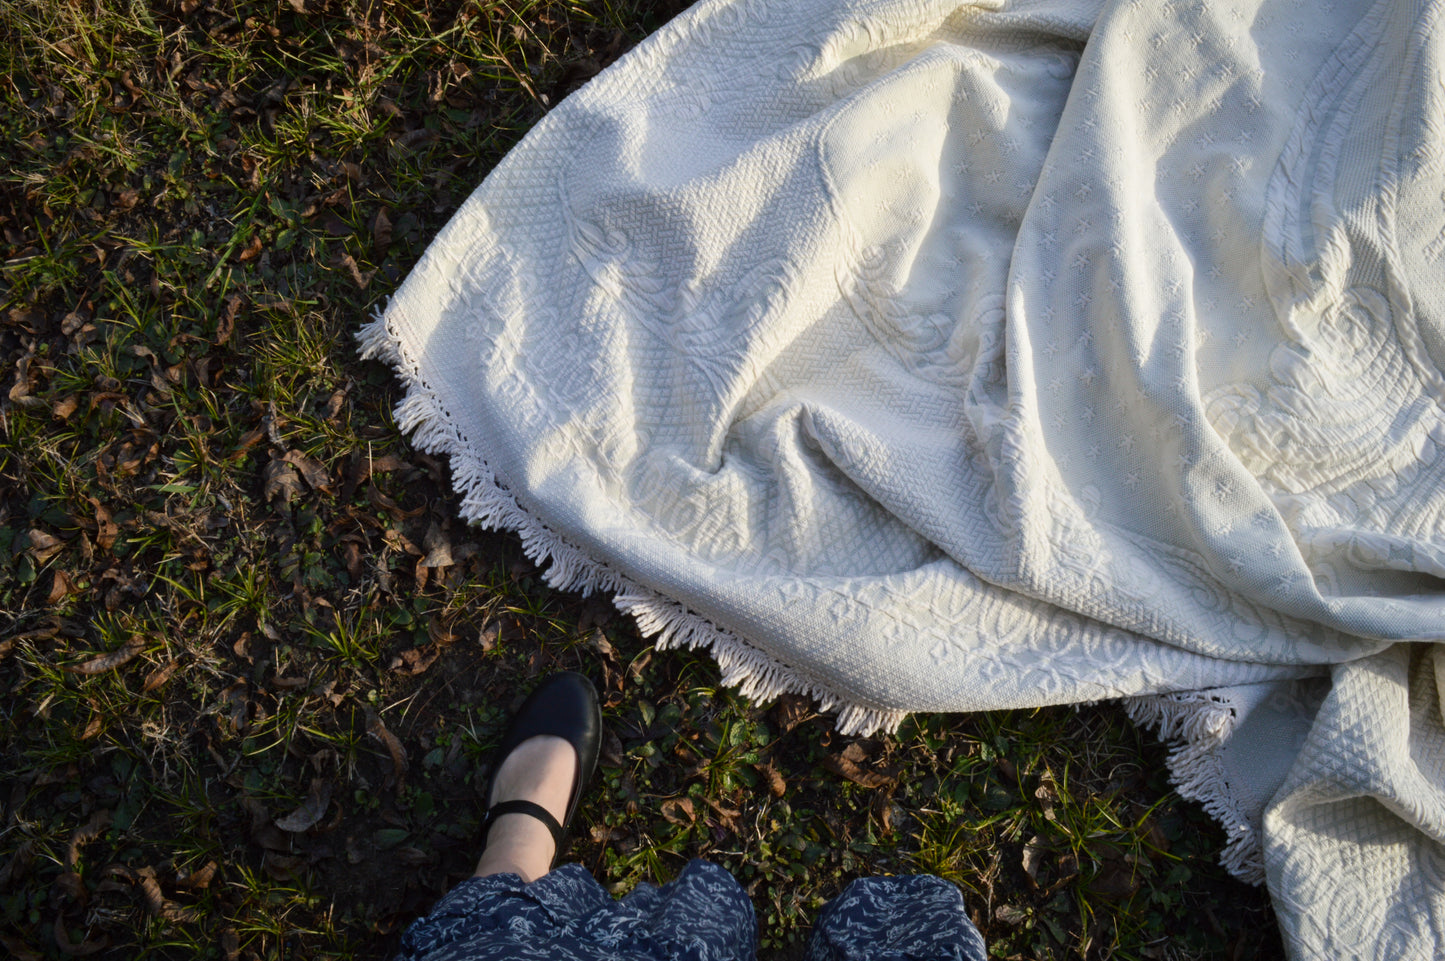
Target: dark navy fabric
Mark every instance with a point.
(703, 915)
(913, 918)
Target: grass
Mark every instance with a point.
(214, 614)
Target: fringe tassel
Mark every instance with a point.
(1200, 722)
(486, 502)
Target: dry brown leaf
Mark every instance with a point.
(792, 710)
(109, 662)
(776, 785)
(1115, 881)
(106, 529)
(252, 251)
(884, 809)
(282, 867)
(226, 323)
(415, 660)
(727, 817)
(94, 726)
(378, 499)
(312, 470)
(61, 587)
(230, 944)
(605, 832)
(279, 479)
(377, 729)
(334, 405)
(312, 810)
(66, 406)
(1031, 858)
(384, 464)
(200, 878)
(83, 835)
(678, 811)
(160, 676)
(611, 748)
(242, 648)
(362, 279)
(263, 832)
(438, 548)
(397, 540)
(63, 942)
(43, 546)
(380, 234)
(846, 763)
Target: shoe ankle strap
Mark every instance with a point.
(523, 807)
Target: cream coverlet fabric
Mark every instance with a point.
(940, 356)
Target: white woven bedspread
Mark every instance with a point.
(942, 356)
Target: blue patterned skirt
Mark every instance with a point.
(703, 915)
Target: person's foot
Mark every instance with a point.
(542, 770)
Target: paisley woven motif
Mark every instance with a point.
(925, 355)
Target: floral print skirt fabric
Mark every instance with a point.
(702, 915)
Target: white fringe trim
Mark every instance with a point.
(1200, 722)
(488, 503)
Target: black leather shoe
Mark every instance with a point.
(564, 705)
